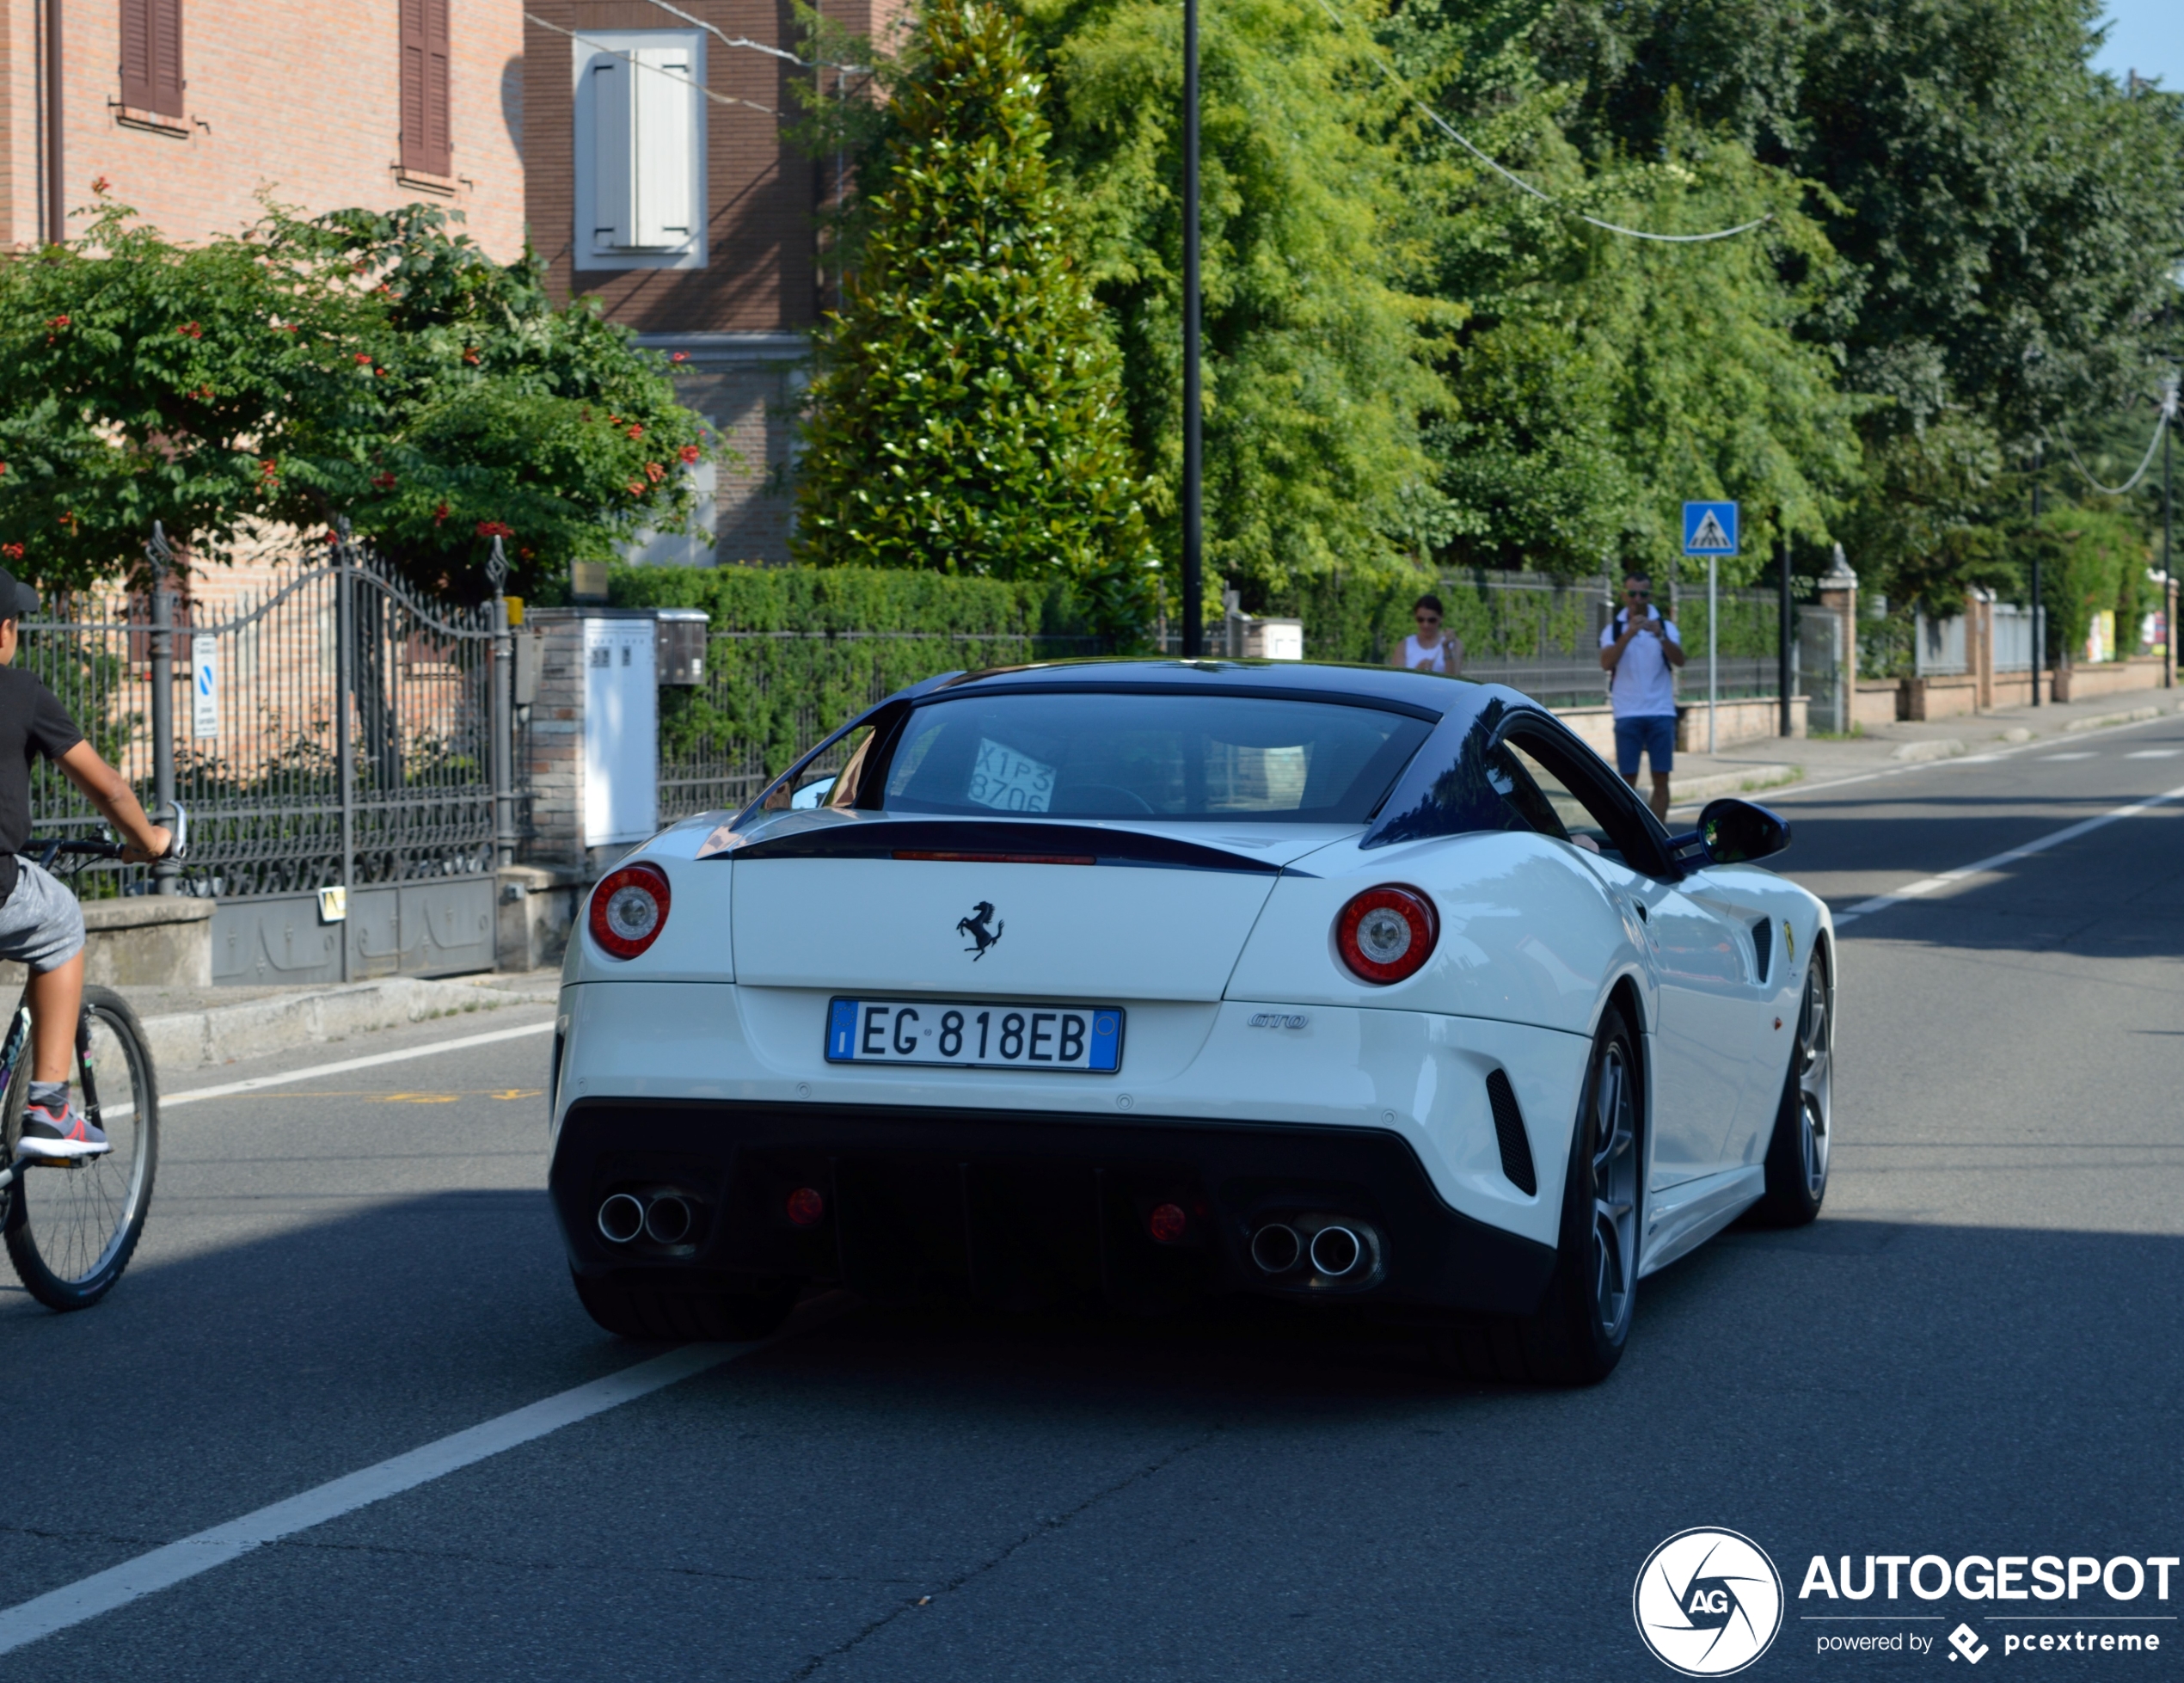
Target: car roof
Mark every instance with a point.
(1413, 691)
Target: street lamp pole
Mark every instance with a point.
(2170, 601)
(1193, 535)
(2039, 642)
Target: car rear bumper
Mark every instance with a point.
(1010, 1206)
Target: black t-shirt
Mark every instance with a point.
(31, 721)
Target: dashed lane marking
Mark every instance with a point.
(1949, 879)
(2089, 753)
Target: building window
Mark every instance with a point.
(640, 149)
(151, 56)
(427, 146)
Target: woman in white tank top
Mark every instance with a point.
(1429, 648)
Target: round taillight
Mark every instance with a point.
(807, 1206)
(1167, 1223)
(1386, 934)
(630, 909)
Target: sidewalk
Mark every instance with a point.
(192, 1028)
(1777, 762)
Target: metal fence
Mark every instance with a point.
(1938, 646)
(2013, 636)
(1543, 636)
(768, 696)
(329, 730)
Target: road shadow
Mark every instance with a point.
(1232, 1492)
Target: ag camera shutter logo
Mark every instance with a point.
(1707, 1602)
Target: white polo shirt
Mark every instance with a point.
(1644, 684)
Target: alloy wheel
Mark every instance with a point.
(1615, 1189)
(1815, 1072)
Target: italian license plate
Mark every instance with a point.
(976, 1035)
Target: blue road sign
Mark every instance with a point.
(1709, 528)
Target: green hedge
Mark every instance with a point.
(818, 645)
(850, 599)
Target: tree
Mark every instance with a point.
(2012, 222)
(373, 367)
(1317, 328)
(1601, 380)
(967, 411)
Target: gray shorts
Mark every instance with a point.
(40, 924)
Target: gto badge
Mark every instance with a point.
(975, 927)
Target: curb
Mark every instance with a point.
(1684, 794)
(2134, 716)
(221, 1034)
(1938, 748)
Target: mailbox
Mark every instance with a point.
(680, 638)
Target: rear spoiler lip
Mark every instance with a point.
(996, 839)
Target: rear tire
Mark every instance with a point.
(1797, 1154)
(1577, 1335)
(644, 1311)
(71, 1231)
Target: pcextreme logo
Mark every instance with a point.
(1708, 1602)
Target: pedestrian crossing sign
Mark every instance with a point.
(1709, 528)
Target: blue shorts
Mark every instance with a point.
(1657, 736)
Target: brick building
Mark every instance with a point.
(658, 182)
(189, 109)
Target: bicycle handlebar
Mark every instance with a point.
(50, 847)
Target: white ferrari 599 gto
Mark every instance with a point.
(1146, 979)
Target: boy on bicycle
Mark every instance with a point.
(41, 926)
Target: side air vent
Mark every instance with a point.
(1763, 945)
(1509, 1133)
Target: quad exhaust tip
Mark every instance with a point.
(1276, 1248)
(1336, 1251)
(621, 1218)
(1318, 1251)
(668, 1219)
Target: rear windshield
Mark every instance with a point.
(1109, 755)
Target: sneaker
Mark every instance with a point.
(65, 1133)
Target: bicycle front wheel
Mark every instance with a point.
(71, 1231)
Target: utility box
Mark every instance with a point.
(621, 800)
(680, 642)
(524, 690)
(1274, 640)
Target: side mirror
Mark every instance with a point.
(1732, 832)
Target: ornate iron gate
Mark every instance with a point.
(333, 738)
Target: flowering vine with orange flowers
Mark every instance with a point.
(380, 366)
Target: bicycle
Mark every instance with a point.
(71, 1227)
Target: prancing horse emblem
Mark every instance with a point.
(975, 927)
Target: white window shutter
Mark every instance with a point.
(613, 211)
(660, 136)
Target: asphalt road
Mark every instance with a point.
(1976, 1350)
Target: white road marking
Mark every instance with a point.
(2154, 753)
(168, 1100)
(1798, 791)
(2090, 753)
(1949, 878)
(163, 1567)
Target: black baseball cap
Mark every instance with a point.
(17, 599)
